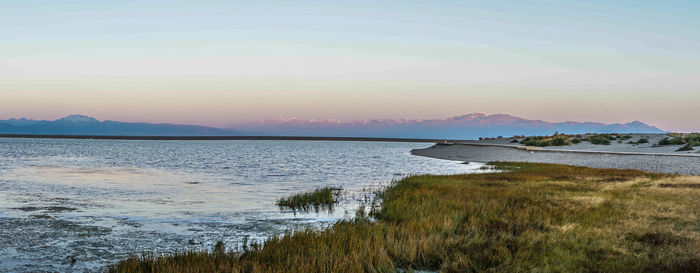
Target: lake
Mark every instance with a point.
(75, 205)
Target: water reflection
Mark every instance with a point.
(81, 204)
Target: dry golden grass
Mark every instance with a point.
(536, 217)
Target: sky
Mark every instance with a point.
(221, 63)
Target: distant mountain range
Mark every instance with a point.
(469, 126)
(84, 125)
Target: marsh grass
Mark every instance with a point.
(601, 139)
(690, 140)
(640, 141)
(322, 198)
(531, 218)
(564, 139)
(544, 141)
(605, 139)
(686, 147)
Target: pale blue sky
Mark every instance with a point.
(224, 62)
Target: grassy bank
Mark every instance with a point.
(536, 217)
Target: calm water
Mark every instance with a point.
(72, 205)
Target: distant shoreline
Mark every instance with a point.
(471, 152)
(371, 139)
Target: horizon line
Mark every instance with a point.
(337, 121)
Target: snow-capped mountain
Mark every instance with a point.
(77, 118)
(468, 126)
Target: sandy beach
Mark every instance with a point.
(617, 155)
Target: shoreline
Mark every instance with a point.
(654, 162)
(559, 149)
(554, 218)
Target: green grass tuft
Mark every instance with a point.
(686, 147)
(530, 218)
(544, 141)
(690, 140)
(316, 199)
(601, 139)
(693, 139)
(564, 139)
(640, 141)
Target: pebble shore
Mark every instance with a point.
(472, 152)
